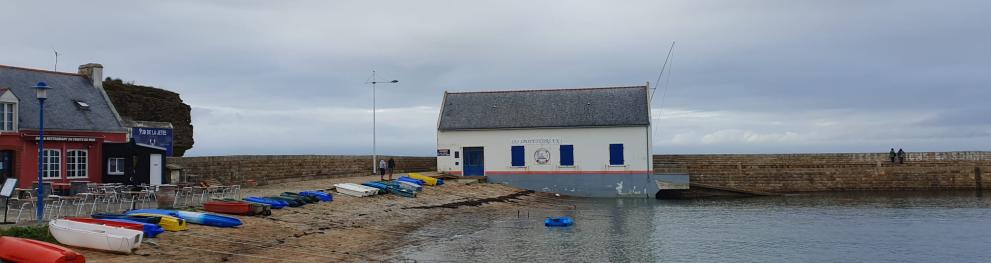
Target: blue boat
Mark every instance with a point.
(151, 230)
(325, 197)
(193, 217)
(275, 204)
(380, 185)
(440, 181)
(558, 221)
(411, 180)
(142, 219)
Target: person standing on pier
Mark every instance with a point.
(391, 167)
(382, 170)
(891, 155)
(901, 156)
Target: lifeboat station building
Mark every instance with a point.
(79, 119)
(592, 142)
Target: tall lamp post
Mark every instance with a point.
(374, 143)
(41, 90)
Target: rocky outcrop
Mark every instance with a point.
(144, 103)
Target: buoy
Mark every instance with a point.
(558, 221)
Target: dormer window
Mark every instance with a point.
(8, 110)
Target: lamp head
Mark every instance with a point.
(41, 89)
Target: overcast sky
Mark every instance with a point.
(267, 77)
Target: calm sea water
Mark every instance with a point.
(849, 227)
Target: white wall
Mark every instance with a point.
(591, 148)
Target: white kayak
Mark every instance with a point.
(356, 189)
(99, 237)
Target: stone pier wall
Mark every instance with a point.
(267, 169)
(833, 172)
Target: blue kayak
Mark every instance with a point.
(193, 217)
(276, 204)
(151, 230)
(325, 197)
(209, 219)
(142, 219)
(411, 180)
(558, 221)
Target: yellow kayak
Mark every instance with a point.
(426, 179)
(169, 223)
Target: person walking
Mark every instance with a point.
(901, 156)
(392, 166)
(891, 155)
(382, 167)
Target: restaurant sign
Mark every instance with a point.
(159, 137)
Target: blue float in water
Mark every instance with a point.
(558, 221)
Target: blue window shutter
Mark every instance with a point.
(518, 156)
(567, 155)
(616, 154)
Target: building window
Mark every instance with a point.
(616, 154)
(77, 163)
(115, 166)
(567, 155)
(7, 116)
(456, 154)
(518, 159)
(52, 164)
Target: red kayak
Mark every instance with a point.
(234, 208)
(26, 250)
(127, 225)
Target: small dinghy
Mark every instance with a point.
(150, 231)
(402, 192)
(99, 237)
(307, 199)
(326, 197)
(275, 204)
(14, 249)
(558, 221)
(224, 207)
(207, 219)
(356, 189)
(383, 188)
(143, 219)
(169, 223)
(410, 180)
(411, 186)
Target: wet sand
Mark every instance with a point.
(349, 229)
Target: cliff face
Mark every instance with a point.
(143, 103)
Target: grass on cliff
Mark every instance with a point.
(30, 232)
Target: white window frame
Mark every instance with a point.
(72, 169)
(8, 116)
(52, 170)
(116, 162)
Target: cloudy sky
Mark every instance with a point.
(267, 77)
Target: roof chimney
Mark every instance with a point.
(94, 72)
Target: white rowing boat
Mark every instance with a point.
(356, 189)
(99, 237)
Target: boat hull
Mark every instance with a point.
(234, 208)
(15, 249)
(209, 219)
(95, 236)
(427, 180)
(356, 190)
(169, 223)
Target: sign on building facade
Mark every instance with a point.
(159, 137)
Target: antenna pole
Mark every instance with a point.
(56, 59)
(663, 66)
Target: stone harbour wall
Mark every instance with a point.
(834, 171)
(268, 169)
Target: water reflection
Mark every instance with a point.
(860, 226)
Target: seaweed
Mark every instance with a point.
(30, 232)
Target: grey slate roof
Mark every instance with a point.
(61, 112)
(591, 107)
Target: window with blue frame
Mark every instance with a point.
(567, 155)
(518, 159)
(616, 154)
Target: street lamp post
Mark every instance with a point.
(41, 90)
(374, 143)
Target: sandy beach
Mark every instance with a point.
(349, 229)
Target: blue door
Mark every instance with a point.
(474, 161)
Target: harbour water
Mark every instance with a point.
(838, 227)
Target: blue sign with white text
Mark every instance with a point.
(159, 137)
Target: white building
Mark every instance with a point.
(583, 142)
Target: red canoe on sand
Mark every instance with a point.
(127, 225)
(234, 208)
(26, 250)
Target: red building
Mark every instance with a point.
(79, 118)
